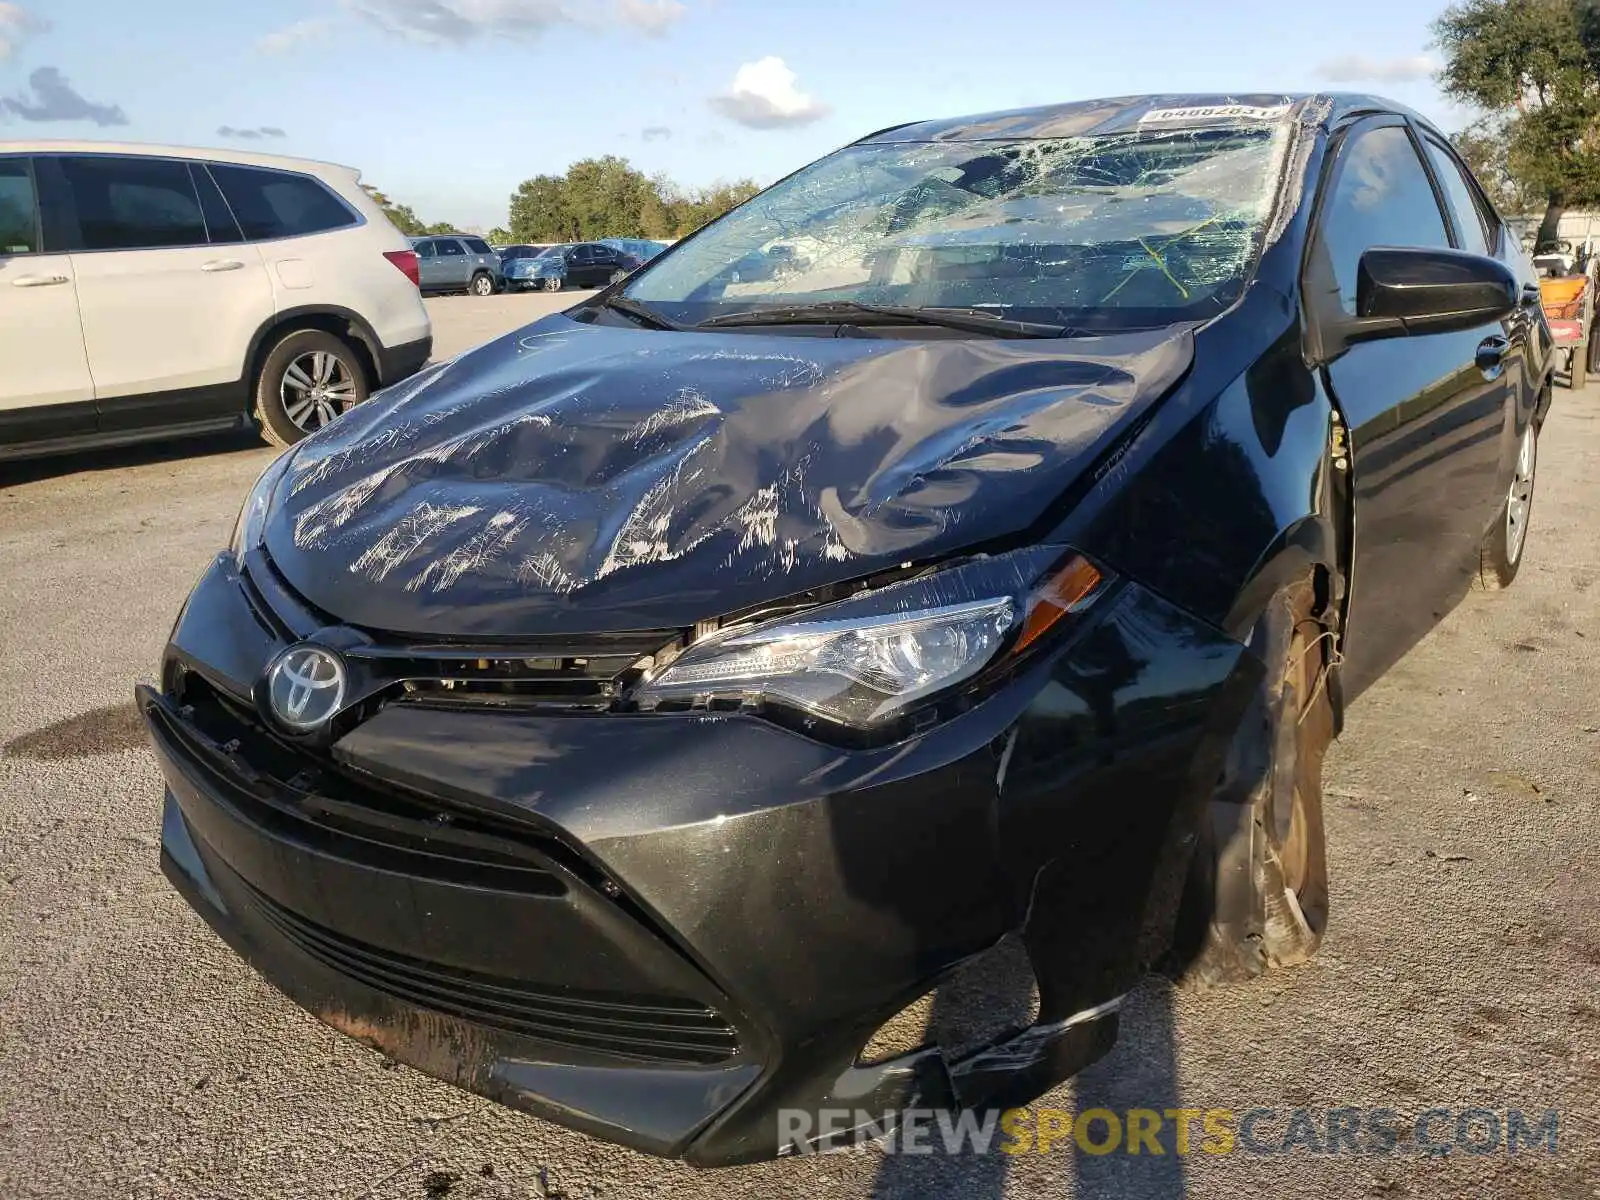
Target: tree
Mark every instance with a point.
(1532, 66)
(1486, 148)
(609, 197)
(400, 215)
(539, 211)
(498, 236)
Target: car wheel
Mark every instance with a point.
(552, 285)
(482, 284)
(1502, 549)
(618, 276)
(1257, 895)
(306, 380)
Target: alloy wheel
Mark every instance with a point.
(317, 386)
(482, 285)
(1520, 498)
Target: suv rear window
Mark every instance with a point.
(277, 204)
(134, 203)
(477, 245)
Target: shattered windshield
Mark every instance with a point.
(1120, 231)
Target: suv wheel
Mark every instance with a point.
(483, 284)
(618, 276)
(306, 380)
(552, 284)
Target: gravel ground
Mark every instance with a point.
(139, 1057)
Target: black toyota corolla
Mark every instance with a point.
(963, 550)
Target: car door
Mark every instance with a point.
(168, 315)
(1424, 414)
(428, 262)
(455, 264)
(1480, 231)
(46, 390)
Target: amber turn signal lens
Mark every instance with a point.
(1061, 593)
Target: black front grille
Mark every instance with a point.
(648, 1028)
(305, 798)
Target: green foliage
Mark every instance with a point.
(1531, 65)
(400, 215)
(609, 197)
(498, 236)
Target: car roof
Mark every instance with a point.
(1127, 114)
(153, 150)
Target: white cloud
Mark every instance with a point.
(444, 21)
(290, 36)
(1359, 68)
(650, 16)
(763, 95)
(17, 25)
(253, 133)
(655, 133)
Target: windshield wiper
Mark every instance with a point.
(642, 313)
(852, 311)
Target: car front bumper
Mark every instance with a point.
(666, 930)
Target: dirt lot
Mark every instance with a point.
(139, 1057)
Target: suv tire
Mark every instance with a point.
(307, 378)
(482, 284)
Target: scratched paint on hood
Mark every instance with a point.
(583, 478)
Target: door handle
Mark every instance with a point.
(38, 280)
(222, 264)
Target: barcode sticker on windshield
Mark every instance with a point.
(1213, 112)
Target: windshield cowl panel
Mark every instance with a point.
(1158, 225)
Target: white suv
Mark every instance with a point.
(152, 291)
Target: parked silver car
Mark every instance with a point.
(457, 263)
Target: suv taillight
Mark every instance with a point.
(406, 262)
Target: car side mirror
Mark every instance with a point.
(1402, 291)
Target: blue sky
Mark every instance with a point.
(447, 104)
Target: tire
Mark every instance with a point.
(552, 285)
(618, 276)
(1257, 893)
(482, 284)
(1501, 555)
(290, 400)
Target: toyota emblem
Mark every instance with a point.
(305, 686)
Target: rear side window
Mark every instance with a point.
(1474, 235)
(478, 246)
(19, 213)
(220, 225)
(278, 204)
(133, 203)
(450, 247)
(1381, 198)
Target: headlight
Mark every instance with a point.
(247, 530)
(848, 664)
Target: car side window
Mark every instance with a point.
(581, 254)
(1381, 197)
(1458, 192)
(221, 228)
(450, 248)
(133, 203)
(279, 204)
(478, 246)
(424, 249)
(19, 209)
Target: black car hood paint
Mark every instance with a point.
(579, 478)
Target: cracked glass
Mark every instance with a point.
(1105, 233)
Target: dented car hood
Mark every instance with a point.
(578, 478)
